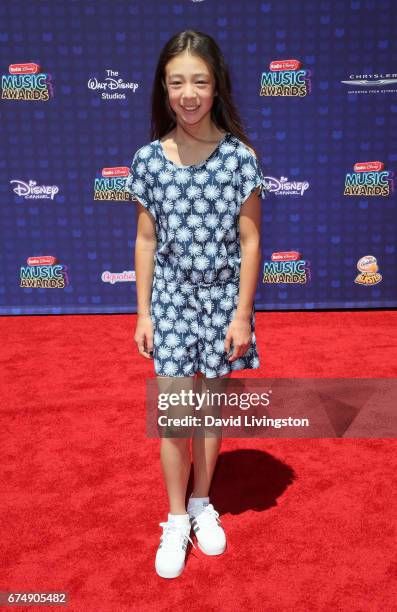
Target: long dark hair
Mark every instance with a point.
(223, 112)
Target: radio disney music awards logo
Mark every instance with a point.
(26, 82)
(111, 186)
(128, 276)
(368, 268)
(372, 83)
(44, 272)
(284, 187)
(286, 78)
(33, 191)
(286, 267)
(369, 179)
(112, 82)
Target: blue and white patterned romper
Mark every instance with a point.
(197, 261)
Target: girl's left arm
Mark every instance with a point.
(250, 243)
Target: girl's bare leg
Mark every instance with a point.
(175, 451)
(206, 448)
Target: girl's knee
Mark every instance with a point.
(180, 442)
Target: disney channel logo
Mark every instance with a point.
(33, 191)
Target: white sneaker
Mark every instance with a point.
(209, 533)
(170, 556)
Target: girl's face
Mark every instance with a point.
(191, 88)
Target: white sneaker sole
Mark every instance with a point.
(217, 551)
(169, 574)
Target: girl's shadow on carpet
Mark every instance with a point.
(247, 479)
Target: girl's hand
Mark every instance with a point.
(144, 335)
(239, 332)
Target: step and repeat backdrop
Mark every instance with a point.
(316, 86)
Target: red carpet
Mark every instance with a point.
(310, 523)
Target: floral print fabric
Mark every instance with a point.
(197, 261)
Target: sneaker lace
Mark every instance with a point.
(209, 517)
(173, 536)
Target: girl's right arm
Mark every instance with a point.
(145, 248)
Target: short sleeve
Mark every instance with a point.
(250, 178)
(137, 185)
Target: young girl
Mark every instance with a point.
(197, 185)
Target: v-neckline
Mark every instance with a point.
(198, 165)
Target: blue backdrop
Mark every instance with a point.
(316, 86)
